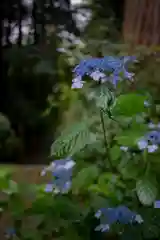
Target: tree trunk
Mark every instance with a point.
(142, 22)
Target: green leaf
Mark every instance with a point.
(5, 171)
(146, 191)
(115, 153)
(110, 179)
(85, 178)
(129, 104)
(73, 140)
(129, 138)
(132, 135)
(129, 170)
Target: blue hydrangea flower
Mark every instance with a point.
(143, 144)
(150, 141)
(153, 137)
(62, 173)
(97, 67)
(10, 233)
(120, 214)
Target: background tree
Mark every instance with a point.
(30, 71)
(142, 21)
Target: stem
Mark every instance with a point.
(105, 139)
(146, 162)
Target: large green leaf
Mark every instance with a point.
(85, 178)
(131, 136)
(73, 140)
(129, 104)
(129, 169)
(146, 191)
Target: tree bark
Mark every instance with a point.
(142, 22)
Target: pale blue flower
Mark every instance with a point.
(98, 214)
(49, 187)
(152, 125)
(61, 50)
(120, 214)
(139, 219)
(152, 148)
(62, 173)
(124, 148)
(142, 144)
(147, 104)
(97, 76)
(102, 228)
(77, 82)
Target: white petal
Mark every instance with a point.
(69, 164)
(152, 148)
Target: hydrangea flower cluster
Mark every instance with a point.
(10, 233)
(120, 214)
(97, 67)
(62, 175)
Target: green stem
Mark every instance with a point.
(146, 162)
(105, 139)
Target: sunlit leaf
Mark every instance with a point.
(146, 191)
(129, 104)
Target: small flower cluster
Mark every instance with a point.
(151, 140)
(10, 233)
(97, 67)
(62, 175)
(120, 214)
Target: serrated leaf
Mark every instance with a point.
(146, 191)
(73, 139)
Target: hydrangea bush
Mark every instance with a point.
(125, 173)
(105, 179)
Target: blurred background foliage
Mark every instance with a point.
(41, 42)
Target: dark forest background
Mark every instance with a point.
(36, 73)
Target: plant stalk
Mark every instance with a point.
(105, 140)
